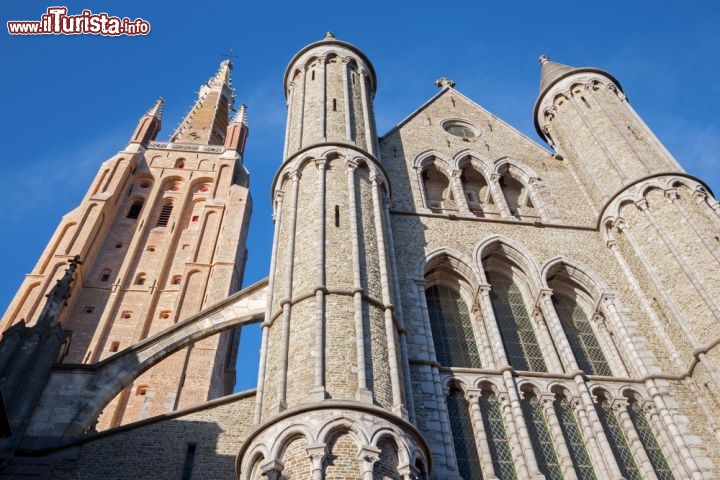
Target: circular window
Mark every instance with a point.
(460, 129)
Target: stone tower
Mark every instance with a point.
(659, 223)
(333, 353)
(161, 234)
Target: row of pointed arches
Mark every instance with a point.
(470, 184)
(502, 313)
(618, 435)
(506, 312)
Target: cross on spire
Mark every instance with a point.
(230, 55)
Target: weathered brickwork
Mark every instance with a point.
(217, 431)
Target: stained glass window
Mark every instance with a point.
(647, 438)
(461, 426)
(573, 439)
(502, 457)
(451, 328)
(518, 336)
(588, 354)
(540, 436)
(618, 442)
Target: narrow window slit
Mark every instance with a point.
(337, 215)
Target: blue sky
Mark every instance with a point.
(70, 102)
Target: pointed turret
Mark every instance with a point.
(149, 124)
(207, 121)
(551, 71)
(237, 131)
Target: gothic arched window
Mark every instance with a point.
(618, 440)
(438, 194)
(540, 437)
(477, 192)
(516, 330)
(502, 458)
(466, 452)
(573, 438)
(649, 442)
(579, 332)
(517, 196)
(451, 327)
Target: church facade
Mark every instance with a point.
(449, 300)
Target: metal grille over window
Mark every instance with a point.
(164, 215)
(573, 439)
(462, 433)
(647, 437)
(618, 442)
(451, 328)
(540, 436)
(497, 438)
(519, 340)
(134, 210)
(588, 354)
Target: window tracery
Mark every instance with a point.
(451, 327)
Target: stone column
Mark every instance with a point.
(320, 288)
(268, 309)
(439, 394)
(272, 470)
(491, 324)
(533, 189)
(405, 364)
(561, 448)
(317, 455)
(368, 455)
(459, 193)
(363, 394)
(323, 97)
(289, 104)
(346, 90)
(302, 108)
(548, 310)
(667, 444)
(486, 353)
(481, 441)
(638, 450)
(601, 455)
(606, 338)
(286, 301)
(517, 446)
(388, 307)
(704, 199)
(370, 143)
(547, 346)
(499, 196)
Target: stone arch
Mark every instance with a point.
(584, 276)
(343, 424)
(289, 434)
(253, 461)
(516, 183)
(454, 262)
(63, 236)
(513, 251)
(456, 382)
(490, 383)
(392, 456)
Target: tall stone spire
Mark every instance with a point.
(207, 121)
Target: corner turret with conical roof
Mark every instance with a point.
(585, 116)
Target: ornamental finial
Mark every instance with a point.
(444, 82)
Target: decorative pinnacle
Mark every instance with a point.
(241, 115)
(329, 35)
(444, 82)
(544, 59)
(157, 109)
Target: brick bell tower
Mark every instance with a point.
(333, 374)
(161, 234)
